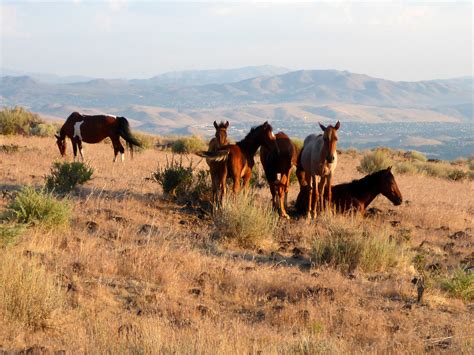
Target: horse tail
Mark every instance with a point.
(218, 155)
(125, 133)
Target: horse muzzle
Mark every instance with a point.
(330, 159)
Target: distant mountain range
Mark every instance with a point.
(190, 100)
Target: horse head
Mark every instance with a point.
(330, 141)
(61, 142)
(389, 187)
(221, 132)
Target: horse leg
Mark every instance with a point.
(118, 147)
(310, 193)
(329, 192)
(247, 177)
(321, 202)
(273, 191)
(282, 192)
(79, 144)
(223, 186)
(74, 148)
(315, 197)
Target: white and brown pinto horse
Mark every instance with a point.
(93, 129)
(315, 167)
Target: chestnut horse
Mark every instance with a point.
(239, 157)
(215, 144)
(358, 194)
(277, 166)
(318, 160)
(94, 129)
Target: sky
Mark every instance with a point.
(139, 39)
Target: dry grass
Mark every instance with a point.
(136, 272)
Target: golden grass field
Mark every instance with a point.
(137, 272)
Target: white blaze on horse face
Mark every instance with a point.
(77, 129)
(122, 156)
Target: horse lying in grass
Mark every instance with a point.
(317, 161)
(277, 166)
(93, 129)
(357, 195)
(239, 157)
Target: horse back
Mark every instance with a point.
(93, 128)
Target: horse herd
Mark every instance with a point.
(315, 163)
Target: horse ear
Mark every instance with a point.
(226, 124)
(215, 124)
(265, 123)
(58, 137)
(338, 124)
(322, 127)
(389, 169)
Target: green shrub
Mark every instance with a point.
(433, 169)
(347, 245)
(184, 182)
(459, 285)
(66, 176)
(374, 161)
(188, 145)
(10, 148)
(28, 294)
(415, 155)
(17, 120)
(9, 232)
(471, 163)
(147, 141)
(298, 143)
(244, 220)
(258, 179)
(406, 167)
(43, 130)
(39, 208)
(458, 175)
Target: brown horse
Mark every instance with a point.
(277, 166)
(239, 157)
(215, 144)
(94, 129)
(358, 194)
(318, 160)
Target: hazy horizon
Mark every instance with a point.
(129, 39)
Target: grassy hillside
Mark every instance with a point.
(135, 270)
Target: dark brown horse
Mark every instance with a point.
(93, 129)
(358, 194)
(277, 166)
(239, 157)
(215, 144)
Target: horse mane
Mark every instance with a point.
(252, 132)
(367, 182)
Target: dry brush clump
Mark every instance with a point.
(245, 220)
(374, 161)
(348, 244)
(65, 176)
(185, 182)
(38, 207)
(29, 295)
(18, 120)
(188, 145)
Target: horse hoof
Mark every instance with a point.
(285, 216)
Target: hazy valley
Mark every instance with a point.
(434, 116)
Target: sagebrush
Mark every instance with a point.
(65, 176)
